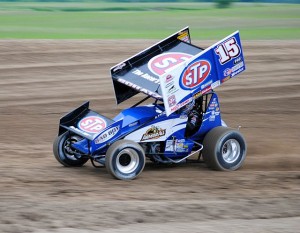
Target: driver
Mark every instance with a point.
(194, 118)
(188, 108)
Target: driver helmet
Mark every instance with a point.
(189, 107)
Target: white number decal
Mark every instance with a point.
(228, 50)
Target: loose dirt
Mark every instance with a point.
(41, 80)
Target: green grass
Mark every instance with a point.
(146, 20)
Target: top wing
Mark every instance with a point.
(176, 71)
(202, 73)
(141, 73)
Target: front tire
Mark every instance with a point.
(224, 149)
(65, 154)
(125, 159)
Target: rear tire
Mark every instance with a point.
(224, 149)
(64, 153)
(125, 160)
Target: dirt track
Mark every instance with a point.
(42, 80)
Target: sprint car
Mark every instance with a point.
(183, 119)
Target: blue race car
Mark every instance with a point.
(183, 120)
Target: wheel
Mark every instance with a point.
(125, 160)
(65, 154)
(224, 149)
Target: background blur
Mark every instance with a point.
(66, 19)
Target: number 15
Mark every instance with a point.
(228, 50)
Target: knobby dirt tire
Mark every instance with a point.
(63, 156)
(125, 160)
(224, 149)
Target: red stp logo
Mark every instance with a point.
(195, 74)
(92, 124)
(160, 63)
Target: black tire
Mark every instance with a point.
(125, 159)
(224, 149)
(65, 154)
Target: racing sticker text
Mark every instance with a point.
(108, 134)
(145, 76)
(195, 74)
(138, 88)
(153, 133)
(179, 145)
(92, 124)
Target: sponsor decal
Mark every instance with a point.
(178, 145)
(153, 133)
(172, 101)
(206, 84)
(108, 134)
(225, 79)
(238, 60)
(170, 145)
(145, 76)
(169, 78)
(212, 118)
(227, 72)
(215, 84)
(79, 131)
(237, 72)
(170, 84)
(119, 67)
(184, 36)
(92, 124)
(180, 105)
(172, 89)
(162, 62)
(195, 74)
(214, 109)
(213, 104)
(133, 124)
(204, 91)
(234, 70)
(238, 66)
(138, 88)
(160, 114)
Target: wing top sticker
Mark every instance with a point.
(162, 62)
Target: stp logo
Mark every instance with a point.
(195, 74)
(160, 63)
(92, 124)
